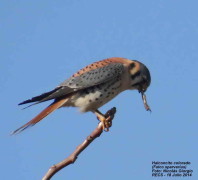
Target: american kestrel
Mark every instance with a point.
(93, 86)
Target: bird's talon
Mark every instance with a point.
(106, 119)
(106, 124)
(106, 129)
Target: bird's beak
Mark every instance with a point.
(144, 101)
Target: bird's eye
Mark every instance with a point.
(145, 80)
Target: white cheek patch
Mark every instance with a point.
(135, 69)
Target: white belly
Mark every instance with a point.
(92, 98)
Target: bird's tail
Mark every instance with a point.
(52, 107)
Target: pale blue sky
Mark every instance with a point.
(43, 42)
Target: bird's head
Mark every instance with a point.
(140, 79)
(140, 76)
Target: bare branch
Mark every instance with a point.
(72, 158)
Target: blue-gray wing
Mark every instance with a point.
(85, 80)
(94, 77)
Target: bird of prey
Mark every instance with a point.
(93, 86)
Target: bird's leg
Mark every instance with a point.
(106, 119)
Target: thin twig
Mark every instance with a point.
(72, 158)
